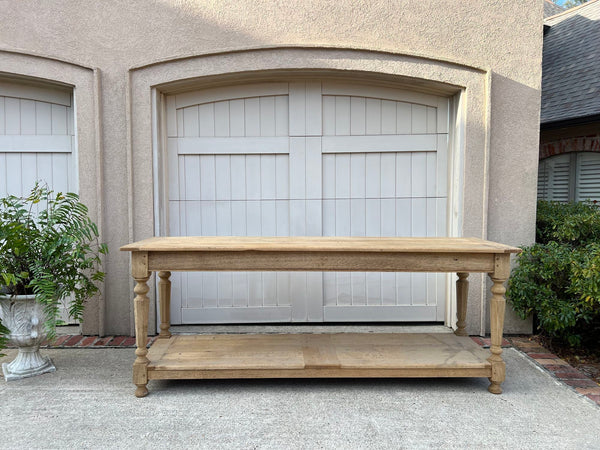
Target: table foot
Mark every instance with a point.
(498, 374)
(495, 387)
(141, 390)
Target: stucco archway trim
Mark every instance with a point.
(44, 57)
(383, 51)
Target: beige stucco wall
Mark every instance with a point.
(490, 50)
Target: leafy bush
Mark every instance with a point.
(577, 224)
(558, 278)
(49, 247)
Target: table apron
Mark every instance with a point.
(320, 261)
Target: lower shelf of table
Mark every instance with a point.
(340, 355)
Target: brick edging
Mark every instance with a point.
(79, 341)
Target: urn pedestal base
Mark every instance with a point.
(28, 363)
(25, 318)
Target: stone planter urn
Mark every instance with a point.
(25, 318)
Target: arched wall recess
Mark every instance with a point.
(57, 75)
(468, 87)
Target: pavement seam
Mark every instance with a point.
(561, 370)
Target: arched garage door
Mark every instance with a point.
(307, 158)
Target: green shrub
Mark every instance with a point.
(558, 278)
(576, 224)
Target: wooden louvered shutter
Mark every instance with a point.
(542, 185)
(558, 183)
(554, 178)
(587, 185)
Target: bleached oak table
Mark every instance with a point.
(317, 355)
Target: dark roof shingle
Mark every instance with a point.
(551, 8)
(571, 64)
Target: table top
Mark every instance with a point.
(318, 244)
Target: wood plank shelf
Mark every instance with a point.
(339, 355)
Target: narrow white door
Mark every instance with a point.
(307, 158)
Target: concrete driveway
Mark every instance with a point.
(89, 403)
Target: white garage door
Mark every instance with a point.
(36, 140)
(307, 158)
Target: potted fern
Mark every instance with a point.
(49, 256)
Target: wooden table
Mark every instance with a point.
(317, 355)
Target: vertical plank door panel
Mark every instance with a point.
(191, 127)
(28, 117)
(237, 118)
(252, 117)
(281, 115)
(208, 177)
(419, 119)
(12, 117)
(29, 172)
(373, 122)
(358, 115)
(267, 116)
(3, 175)
(342, 116)
(206, 117)
(43, 118)
(3, 117)
(221, 119)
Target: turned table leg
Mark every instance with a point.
(141, 310)
(462, 290)
(497, 307)
(164, 293)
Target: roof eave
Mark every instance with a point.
(570, 122)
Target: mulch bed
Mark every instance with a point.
(585, 359)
